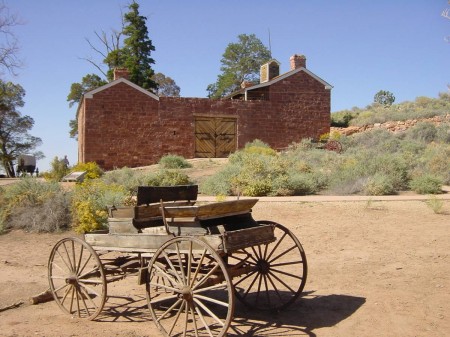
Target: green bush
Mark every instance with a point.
(91, 201)
(93, 171)
(379, 184)
(426, 184)
(167, 177)
(35, 206)
(172, 161)
(58, 170)
(128, 178)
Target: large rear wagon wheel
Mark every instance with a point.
(77, 278)
(189, 291)
(277, 274)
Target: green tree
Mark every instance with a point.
(385, 98)
(134, 55)
(138, 48)
(166, 86)
(14, 136)
(77, 90)
(241, 61)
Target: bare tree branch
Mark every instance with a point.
(9, 46)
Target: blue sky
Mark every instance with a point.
(358, 46)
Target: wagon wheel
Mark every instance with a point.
(189, 291)
(276, 271)
(334, 145)
(77, 278)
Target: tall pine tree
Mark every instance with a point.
(137, 49)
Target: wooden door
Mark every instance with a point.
(215, 137)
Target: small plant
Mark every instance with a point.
(168, 177)
(426, 184)
(172, 161)
(435, 204)
(90, 204)
(93, 171)
(35, 206)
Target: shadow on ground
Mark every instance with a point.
(309, 313)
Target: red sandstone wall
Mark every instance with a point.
(125, 127)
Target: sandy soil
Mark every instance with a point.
(376, 268)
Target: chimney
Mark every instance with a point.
(269, 70)
(121, 73)
(298, 61)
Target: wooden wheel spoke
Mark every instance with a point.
(197, 270)
(78, 301)
(174, 270)
(285, 273)
(84, 266)
(63, 260)
(82, 295)
(274, 286)
(283, 253)
(212, 300)
(89, 281)
(68, 257)
(267, 290)
(205, 277)
(180, 263)
(89, 289)
(177, 317)
(282, 282)
(156, 285)
(80, 259)
(164, 275)
(173, 306)
(251, 284)
(85, 293)
(244, 278)
(286, 263)
(208, 311)
(213, 287)
(276, 246)
(165, 298)
(71, 299)
(66, 292)
(194, 321)
(202, 318)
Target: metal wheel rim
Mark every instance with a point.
(77, 278)
(278, 276)
(180, 299)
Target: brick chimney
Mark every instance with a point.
(269, 70)
(121, 73)
(297, 61)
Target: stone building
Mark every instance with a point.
(121, 124)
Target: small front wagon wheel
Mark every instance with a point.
(277, 271)
(77, 278)
(189, 290)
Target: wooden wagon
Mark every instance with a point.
(194, 260)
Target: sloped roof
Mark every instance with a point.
(280, 78)
(91, 93)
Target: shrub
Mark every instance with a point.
(93, 171)
(126, 177)
(91, 201)
(58, 170)
(426, 184)
(171, 161)
(167, 177)
(379, 184)
(35, 206)
(436, 205)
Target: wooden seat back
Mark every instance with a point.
(154, 194)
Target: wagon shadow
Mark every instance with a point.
(300, 319)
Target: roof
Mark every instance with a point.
(91, 93)
(280, 78)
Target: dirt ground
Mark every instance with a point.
(375, 268)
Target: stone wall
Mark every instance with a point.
(121, 126)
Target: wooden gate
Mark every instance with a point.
(215, 137)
